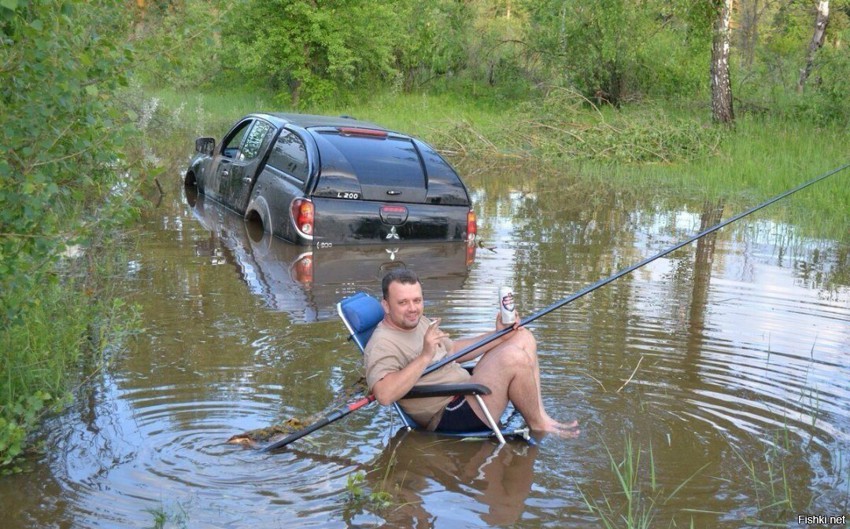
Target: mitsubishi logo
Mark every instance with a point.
(391, 252)
(393, 234)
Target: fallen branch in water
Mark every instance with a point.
(259, 437)
(632, 375)
(598, 382)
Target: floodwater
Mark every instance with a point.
(715, 378)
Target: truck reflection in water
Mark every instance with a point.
(306, 282)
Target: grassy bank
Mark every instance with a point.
(761, 158)
(62, 340)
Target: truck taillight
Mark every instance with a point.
(471, 226)
(303, 215)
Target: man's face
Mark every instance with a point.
(403, 306)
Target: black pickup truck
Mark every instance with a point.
(325, 181)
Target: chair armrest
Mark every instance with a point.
(446, 390)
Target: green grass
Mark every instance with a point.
(55, 343)
(164, 517)
(638, 497)
(418, 114)
(761, 158)
(772, 494)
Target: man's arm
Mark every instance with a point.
(397, 384)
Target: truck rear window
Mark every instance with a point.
(381, 161)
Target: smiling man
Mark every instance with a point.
(406, 342)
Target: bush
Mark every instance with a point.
(63, 183)
(180, 46)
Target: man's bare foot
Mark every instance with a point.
(553, 426)
(567, 433)
(549, 423)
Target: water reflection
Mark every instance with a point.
(454, 483)
(306, 282)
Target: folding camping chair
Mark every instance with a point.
(361, 313)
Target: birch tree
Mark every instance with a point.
(821, 21)
(721, 87)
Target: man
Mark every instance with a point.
(405, 343)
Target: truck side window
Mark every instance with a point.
(289, 155)
(230, 145)
(254, 141)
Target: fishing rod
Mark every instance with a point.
(342, 412)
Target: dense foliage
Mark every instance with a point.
(61, 180)
(323, 49)
(615, 51)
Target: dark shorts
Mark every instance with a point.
(459, 417)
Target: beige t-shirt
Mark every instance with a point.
(390, 350)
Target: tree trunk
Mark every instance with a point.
(821, 20)
(295, 92)
(721, 87)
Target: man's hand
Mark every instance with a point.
(433, 338)
(500, 325)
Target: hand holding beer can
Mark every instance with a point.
(506, 305)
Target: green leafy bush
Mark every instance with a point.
(63, 184)
(180, 46)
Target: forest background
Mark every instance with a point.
(708, 97)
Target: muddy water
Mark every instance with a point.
(715, 378)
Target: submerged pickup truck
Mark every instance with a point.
(325, 181)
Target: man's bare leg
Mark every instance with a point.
(524, 339)
(511, 373)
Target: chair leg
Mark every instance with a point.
(493, 424)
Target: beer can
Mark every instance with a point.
(506, 305)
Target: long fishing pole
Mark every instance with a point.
(342, 412)
(590, 288)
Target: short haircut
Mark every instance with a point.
(399, 275)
